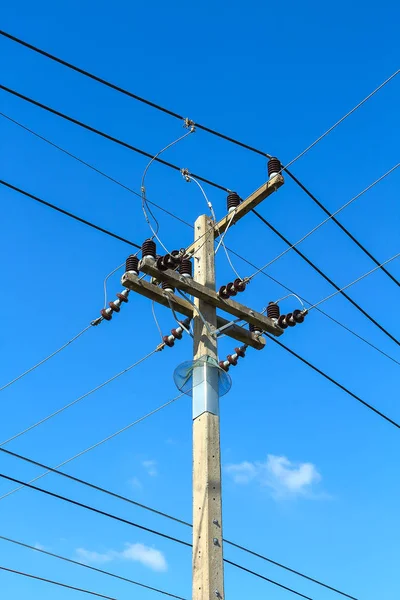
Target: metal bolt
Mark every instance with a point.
(216, 592)
(215, 522)
(215, 542)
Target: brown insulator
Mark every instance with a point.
(123, 297)
(115, 307)
(233, 200)
(149, 248)
(160, 264)
(230, 289)
(223, 366)
(289, 320)
(239, 285)
(186, 322)
(177, 333)
(106, 314)
(132, 264)
(185, 268)
(282, 322)
(232, 361)
(167, 287)
(273, 311)
(223, 293)
(255, 329)
(241, 351)
(167, 341)
(176, 257)
(274, 167)
(298, 316)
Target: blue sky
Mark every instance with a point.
(310, 477)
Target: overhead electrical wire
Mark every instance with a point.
(221, 135)
(328, 279)
(91, 568)
(95, 389)
(104, 135)
(166, 515)
(57, 583)
(176, 217)
(141, 527)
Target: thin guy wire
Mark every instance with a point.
(142, 527)
(170, 517)
(62, 409)
(355, 281)
(143, 188)
(328, 219)
(90, 448)
(92, 167)
(45, 359)
(153, 310)
(95, 569)
(107, 278)
(58, 583)
(68, 214)
(328, 279)
(103, 134)
(127, 93)
(321, 137)
(204, 128)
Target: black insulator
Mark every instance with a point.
(123, 297)
(239, 285)
(233, 200)
(167, 341)
(223, 293)
(114, 307)
(274, 166)
(149, 248)
(273, 311)
(282, 322)
(107, 315)
(230, 289)
(132, 264)
(298, 316)
(290, 320)
(255, 329)
(167, 287)
(185, 268)
(241, 351)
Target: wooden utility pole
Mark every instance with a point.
(208, 566)
(208, 572)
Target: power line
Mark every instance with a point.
(328, 279)
(105, 135)
(163, 514)
(95, 569)
(78, 335)
(221, 135)
(58, 583)
(137, 525)
(339, 385)
(342, 227)
(68, 214)
(191, 226)
(62, 409)
(130, 94)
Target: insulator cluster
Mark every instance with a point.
(231, 289)
(274, 167)
(114, 306)
(292, 318)
(233, 200)
(169, 261)
(232, 359)
(176, 334)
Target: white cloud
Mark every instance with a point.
(135, 483)
(149, 557)
(278, 473)
(40, 546)
(151, 467)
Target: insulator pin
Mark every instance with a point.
(233, 200)
(274, 167)
(149, 249)
(132, 264)
(185, 268)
